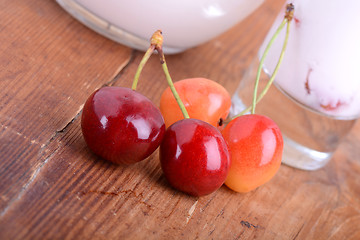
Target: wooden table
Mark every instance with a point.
(53, 187)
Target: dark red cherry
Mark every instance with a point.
(121, 125)
(194, 157)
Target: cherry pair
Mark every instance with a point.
(124, 127)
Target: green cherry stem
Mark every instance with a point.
(171, 83)
(287, 20)
(142, 63)
(261, 64)
(155, 41)
(282, 54)
(272, 78)
(158, 47)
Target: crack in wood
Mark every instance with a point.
(249, 225)
(297, 234)
(128, 192)
(122, 69)
(113, 80)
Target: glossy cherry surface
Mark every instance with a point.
(121, 125)
(204, 99)
(194, 157)
(256, 147)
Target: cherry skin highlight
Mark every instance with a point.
(204, 99)
(256, 147)
(194, 157)
(121, 125)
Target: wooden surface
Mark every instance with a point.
(53, 187)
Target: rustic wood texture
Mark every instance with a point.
(53, 187)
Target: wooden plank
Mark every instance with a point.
(49, 64)
(76, 195)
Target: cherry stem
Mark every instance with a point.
(287, 19)
(171, 83)
(155, 41)
(261, 64)
(142, 63)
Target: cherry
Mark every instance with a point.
(204, 99)
(121, 125)
(194, 157)
(256, 145)
(255, 141)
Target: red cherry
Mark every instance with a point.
(194, 157)
(204, 99)
(256, 145)
(121, 125)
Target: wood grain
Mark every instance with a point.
(49, 65)
(53, 187)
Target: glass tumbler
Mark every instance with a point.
(315, 98)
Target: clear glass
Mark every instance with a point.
(133, 22)
(315, 98)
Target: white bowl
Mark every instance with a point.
(185, 23)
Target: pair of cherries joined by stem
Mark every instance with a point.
(123, 126)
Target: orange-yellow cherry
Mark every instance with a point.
(204, 99)
(256, 145)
